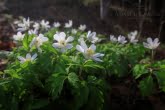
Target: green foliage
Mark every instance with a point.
(73, 80)
(147, 86)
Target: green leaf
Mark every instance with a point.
(55, 84)
(91, 64)
(139, 70)
(73, 79)
(146, 86)
(25, 42)
(160, 75)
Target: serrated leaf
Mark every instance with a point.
(73, 79)
(55, 83)
(146, 86)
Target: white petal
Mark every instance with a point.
(28, 56)
(97, 59)
(79, 48)
(69, 46)
(156, 40)
(57, 37)
(98, 55)
(93, 47)
(62, 35)
(56, 45)
(83, 45)
(69, 39)
(34, 57)
(149, 40)
(21, 58)
(146, 45)
(44, 39)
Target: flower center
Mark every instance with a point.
(62, 43)
(90, 52)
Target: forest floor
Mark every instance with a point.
(124, 96)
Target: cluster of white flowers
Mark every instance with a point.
(150, 44)
(62, 42)
(35, 28)
(122, 40)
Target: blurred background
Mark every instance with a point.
(103, 16)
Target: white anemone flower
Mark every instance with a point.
(89, 53)
(56, 24)
(27, 58)
(74, 31)
(132, 37)
(82, 27)
(36, 26)
(38, 41)
(91, 36)
(62, 43)
(24, 25)
(151, 44)
(30, 32)
(69, 24)
(121, 39)
(45, 24)
(113, 38)
(19, 36)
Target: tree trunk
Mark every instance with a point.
(104, 6)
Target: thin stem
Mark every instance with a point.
(152, 56)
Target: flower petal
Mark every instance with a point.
(62, 35)
(69, 39)
(83, 45)
(149, 40)
(34, 57)
(21, 58)
(28, 56)
(69, 46)
(93, 47)
(79, 48)
(56, 45)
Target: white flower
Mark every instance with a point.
(80, 39)
(121, 39)
(91, 36)
(38, 41)
(113, 38)
(151, 44)
(19, 36)
(69, 24)
(45, 24)
(62, 43)
(74, 31)
(89, 53)
(32, 31)
(132, 37)
(27, 58)
(36, 26)
(82, 27)
(56, 24)
(25, 25)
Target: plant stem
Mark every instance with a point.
(152, 56)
